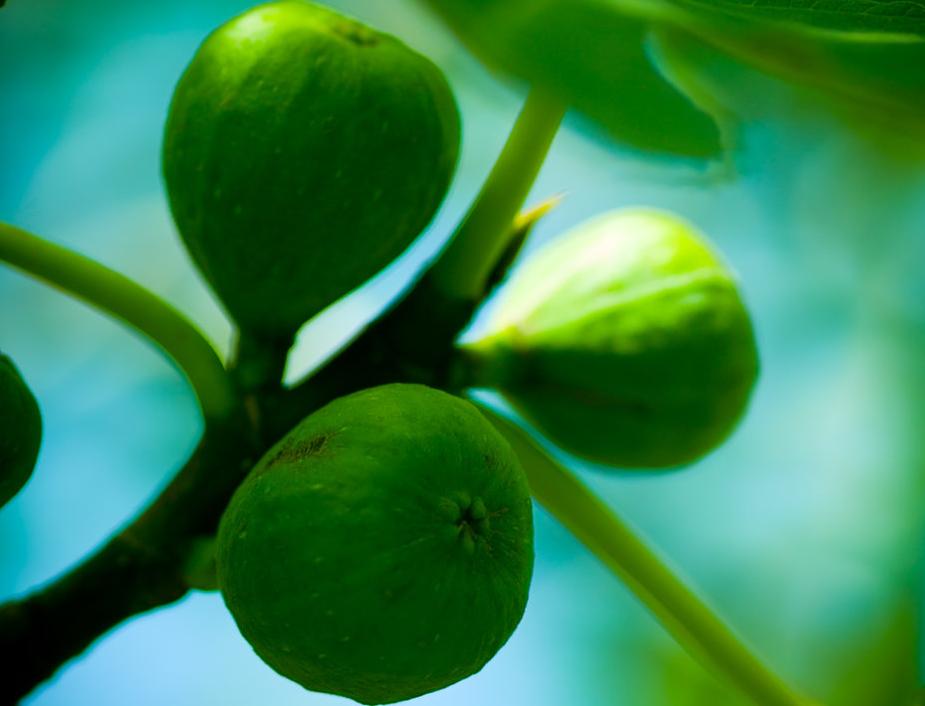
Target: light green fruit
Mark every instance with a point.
(20, 431)
(303, 152)
(383, 549)
(625, 342)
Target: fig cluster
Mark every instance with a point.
(383, 548)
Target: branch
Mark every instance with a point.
(141, 568)
(137, 570)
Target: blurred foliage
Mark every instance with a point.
(897, 16)
(594, 55)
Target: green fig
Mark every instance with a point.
(625, 342)
(383, 549)
(20, 431)
(303, 153)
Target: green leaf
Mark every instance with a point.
(875, 81)
(893, 16)
(591, 54)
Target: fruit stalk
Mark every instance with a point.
(125, 300)
(464, 268)
(689, 620)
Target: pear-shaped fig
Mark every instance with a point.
(303, 152)
(625, 341)
(383, 549)
(20, 431)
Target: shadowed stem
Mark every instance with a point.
(692, 623)
(138, 569)
(120, 297)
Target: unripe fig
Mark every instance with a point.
(303, 152)
(381, 550)
(20, 431)
(625, 342)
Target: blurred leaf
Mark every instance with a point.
(876, 82)
(591, 54)
(899, 16)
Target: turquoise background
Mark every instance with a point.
(805, 529)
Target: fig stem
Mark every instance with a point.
(464, 267)
(686, 617)
(125, 300)
(260, 361)
(473, 368)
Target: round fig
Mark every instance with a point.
(303, 152)
(381, 550)
(625, 342)
(20, 431)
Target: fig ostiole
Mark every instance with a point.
(383, 549)
(303, 152)
(625, 342)
(20, 430)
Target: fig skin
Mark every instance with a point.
(383, 549)
(304, 152)
(625, 342)
(20, 431)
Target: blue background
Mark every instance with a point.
(805, 529)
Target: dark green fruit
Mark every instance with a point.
(625, 342)
(20, 431)
(383, 549)
(303, 153)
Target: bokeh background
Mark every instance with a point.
(805, 530)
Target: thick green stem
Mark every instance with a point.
(122, 298)
(693, 624)
(463, 269)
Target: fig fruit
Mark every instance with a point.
(20, 431)
(381, 550)
(303, 152)
(625, 342)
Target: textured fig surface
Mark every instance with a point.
(303, 152)
(383, 549)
